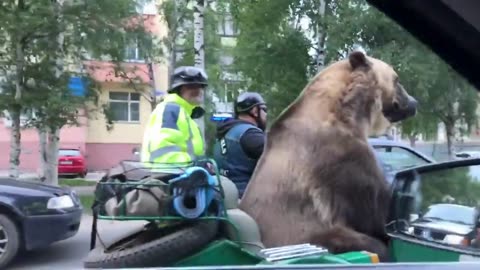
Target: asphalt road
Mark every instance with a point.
(69, 254)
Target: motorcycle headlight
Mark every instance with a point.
(60, 202)
(453, 239)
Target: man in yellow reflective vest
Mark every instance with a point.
(171, 134)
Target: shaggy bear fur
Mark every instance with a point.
(318, 180)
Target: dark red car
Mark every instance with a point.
(71, 162)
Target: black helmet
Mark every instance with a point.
(188, 75)
(246, 101)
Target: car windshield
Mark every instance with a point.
(68, 152)
(453, 213)
(396, 158)
(94, 82)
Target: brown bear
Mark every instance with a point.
(318, 180)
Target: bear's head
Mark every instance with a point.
(392, 102)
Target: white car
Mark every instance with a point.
(445, 223)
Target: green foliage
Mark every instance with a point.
(43, 43)
(277, 70)
(76, 182)
(423, 74)
(87, 202)
(457, 183)
(272, 51)
(212, 45)
(84, 26)
(213, 50)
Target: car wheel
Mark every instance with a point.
(9, 240)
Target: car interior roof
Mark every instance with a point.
(451, 28)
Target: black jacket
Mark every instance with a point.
(252, 141)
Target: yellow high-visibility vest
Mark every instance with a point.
(171, 135)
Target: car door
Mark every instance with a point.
(449, 232)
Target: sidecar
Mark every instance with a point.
(178, 233)
(222, 235)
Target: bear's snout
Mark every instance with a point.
(397, 113)
(411, 109)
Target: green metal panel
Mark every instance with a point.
(356, 257)
(404, 251)
(313, 259)
(228, 253)
(221, 253)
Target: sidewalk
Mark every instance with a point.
(94, 176)
(91, 176)
(23, 175)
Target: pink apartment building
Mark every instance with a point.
(103, 149)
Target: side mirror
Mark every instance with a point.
(448, 194)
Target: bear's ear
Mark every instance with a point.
(357, 59)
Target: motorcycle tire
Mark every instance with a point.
(160, 251)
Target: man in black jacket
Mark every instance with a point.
(240, 141)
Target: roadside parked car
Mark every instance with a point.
(35, 215)
(467, 154)
(71, 162)
(447, 223)
(397, 155)
(393, 156)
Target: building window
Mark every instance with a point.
(125, 107)
(134, 52)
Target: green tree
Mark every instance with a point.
(454, 183)
(272, 51)
(213, 50)
(175, 14)
(277, 54)
(443, 96)
(40, 61)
